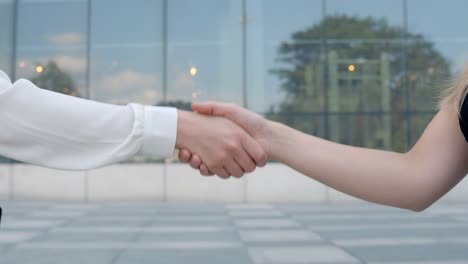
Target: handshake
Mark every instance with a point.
(222, 139)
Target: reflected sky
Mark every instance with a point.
(6, 33)
(127, 42)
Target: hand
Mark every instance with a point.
(257, 126)
(218, 143)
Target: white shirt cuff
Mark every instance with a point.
(159, 131)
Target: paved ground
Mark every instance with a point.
(233, 233)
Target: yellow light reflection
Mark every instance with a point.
(39, 69)
(193, 71)
(351, 68)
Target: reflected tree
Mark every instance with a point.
(55, 79)
(366, 65)
(179, 104)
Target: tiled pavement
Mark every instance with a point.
(133, 233)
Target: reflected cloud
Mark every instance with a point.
(126, 86)
(67, 38)
(70, 64)
(184, 81)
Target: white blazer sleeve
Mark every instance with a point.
(64, 132)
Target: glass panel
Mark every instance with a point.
(367, 130)
(51, 47)
(204, 51)
(307, 122)
(365, 77)
(365, 55)
(284, 56)
(437, 47)
(6, 31)
(127, 51)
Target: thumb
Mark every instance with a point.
(205, 108)
(214, 108)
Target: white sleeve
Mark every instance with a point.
(58, 131)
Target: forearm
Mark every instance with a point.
(378, 176)
(64, 132)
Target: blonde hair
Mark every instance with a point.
(456, 93)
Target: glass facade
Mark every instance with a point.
(361, 72)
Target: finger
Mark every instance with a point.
(195, 161)
(255, 151)
(245, 161)
(234, 169)
(205, 171)
(184, 155)
(222, 173)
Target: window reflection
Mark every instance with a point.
(444, 41)
(6, 31)
(204, 50)
(126, 51)
(270, 32)
(51, 44)
(351, 71)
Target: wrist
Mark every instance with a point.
(276, 140)
(183, 126)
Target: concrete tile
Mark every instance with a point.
(290, 255)
(224, 256)
(230, 235)
(435, 233)
(183, 245)
(266, 223)
(58, 256)
(278, 235)
(423, 262)
(249, 206)
(7, 237)
(31, 224)
(84, 237)
(165, 229)
(256, 214)
(375, 226)
(432, 252)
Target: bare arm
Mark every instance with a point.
(412, 180)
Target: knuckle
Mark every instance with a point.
(250, 167)
(231, 147)
(263, 157)
(223, 158)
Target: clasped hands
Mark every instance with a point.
(222, 139)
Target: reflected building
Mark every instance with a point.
(360, 72)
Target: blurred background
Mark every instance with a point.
(362, 72)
